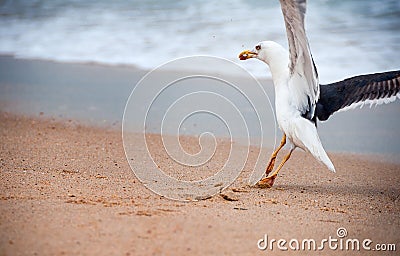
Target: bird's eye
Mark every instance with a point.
(258, 47)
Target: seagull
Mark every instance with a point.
(301, 100)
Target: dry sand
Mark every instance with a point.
(67, 189)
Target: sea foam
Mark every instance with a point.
(346, 38)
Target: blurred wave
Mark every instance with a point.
(346, 37)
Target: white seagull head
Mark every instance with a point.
(272, 53)
(266, 51)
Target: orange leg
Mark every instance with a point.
(271, 162)
(269, 181)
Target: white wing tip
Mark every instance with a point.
(375, 102)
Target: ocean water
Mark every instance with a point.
(346, 37)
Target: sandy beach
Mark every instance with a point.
(102, 100)
(66, 189)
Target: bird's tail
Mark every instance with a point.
(310, 139)
(319, 153)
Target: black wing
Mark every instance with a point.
(375, 88)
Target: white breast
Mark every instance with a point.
(286, 111)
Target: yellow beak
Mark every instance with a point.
(247, 54)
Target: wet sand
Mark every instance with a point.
(67, 189)
(96, 95)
